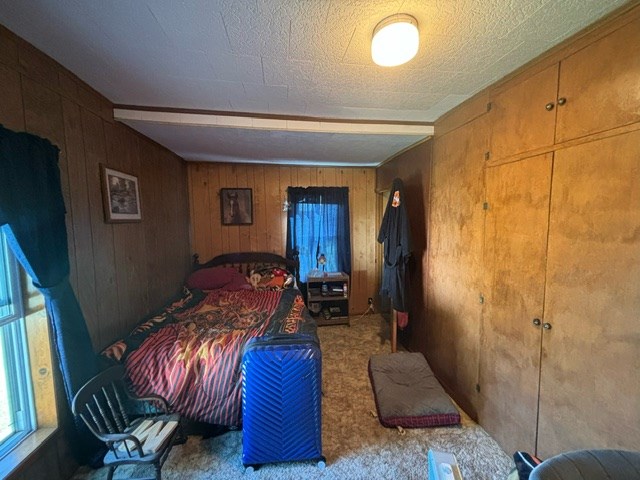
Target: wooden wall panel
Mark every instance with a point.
(464, 113)
(455, 259)
(152, 193)
(128, 238)
(201, 208)
(372, 261)
(259, 208)
(38, 66)
(119, 272)
(80, 210)
(12, 113)
(106, 324)
(268, 231)
(8, 48)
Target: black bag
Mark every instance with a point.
(525, 463)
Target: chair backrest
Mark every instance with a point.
(590, 465)
(100, 403)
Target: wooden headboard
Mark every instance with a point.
(247, 261)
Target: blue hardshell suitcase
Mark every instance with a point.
(281, 400)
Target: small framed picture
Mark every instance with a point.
(236, 205)
(120, 196)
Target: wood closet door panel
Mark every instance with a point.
(455, 265)
(601, 84)
(519, 120)
(515, 246)
(590, 379)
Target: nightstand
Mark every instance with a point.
(328, 298)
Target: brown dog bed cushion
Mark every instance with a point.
(407, 394)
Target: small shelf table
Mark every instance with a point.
(328, 295)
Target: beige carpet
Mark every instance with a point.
(355, 444)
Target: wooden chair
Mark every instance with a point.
(136, 431)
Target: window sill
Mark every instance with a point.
(24, 450)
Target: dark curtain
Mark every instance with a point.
(318, 222)
(32, 216)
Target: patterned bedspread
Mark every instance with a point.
(191, 353)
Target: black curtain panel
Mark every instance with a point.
(32, 217)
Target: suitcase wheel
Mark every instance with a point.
(249, 469)
(322, 463)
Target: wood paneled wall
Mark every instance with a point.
(119, 272)
(414, 168)
(489, 248)
(454, 277)
(268, 232)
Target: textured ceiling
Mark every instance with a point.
(301, 148)
(293, 57)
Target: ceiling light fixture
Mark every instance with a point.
(395, 40)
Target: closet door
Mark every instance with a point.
(515, 247)
(590, 378)
(523, 114)
(599, 85)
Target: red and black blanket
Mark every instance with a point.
(191, 353)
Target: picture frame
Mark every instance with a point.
(236, 206)
(120, 196)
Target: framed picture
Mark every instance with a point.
(120, 196)
(236, 206)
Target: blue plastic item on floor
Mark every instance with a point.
(443, 466)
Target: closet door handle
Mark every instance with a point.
(562, 101)
(536, 322)
(549, 106)
(546, 326)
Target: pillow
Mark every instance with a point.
(213, 278)
(239, 282)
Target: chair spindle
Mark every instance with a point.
(125, 417)
(96, 420)
(104, 415)
(114, 413)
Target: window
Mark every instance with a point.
(17, 416)
(318, 224)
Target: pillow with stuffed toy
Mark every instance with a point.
(214, 278)
(271, 278)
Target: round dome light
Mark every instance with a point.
(395, 40)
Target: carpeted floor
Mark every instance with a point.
(355, 444)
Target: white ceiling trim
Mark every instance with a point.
(262, 123)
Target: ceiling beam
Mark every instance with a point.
(275, 122)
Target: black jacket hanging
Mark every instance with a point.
(396, 235)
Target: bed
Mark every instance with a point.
(190, 352)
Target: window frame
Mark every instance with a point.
(14, 349)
